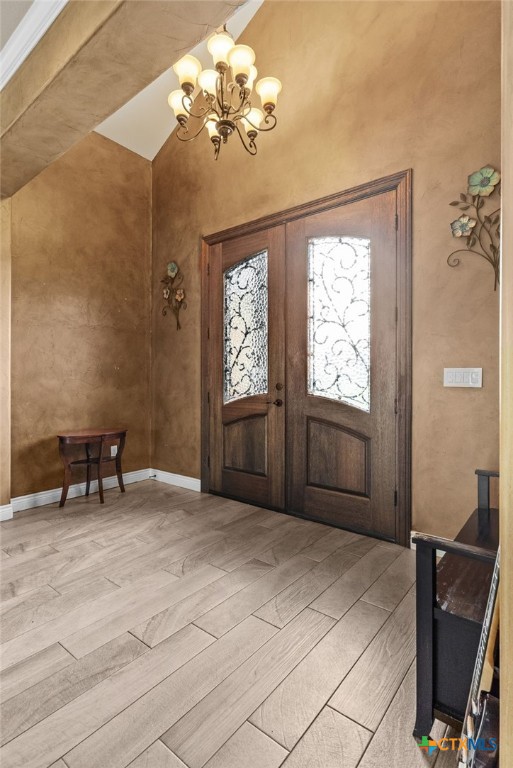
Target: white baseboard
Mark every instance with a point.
(78, 489)
(182, 481)
(19, 503)
(5, 512)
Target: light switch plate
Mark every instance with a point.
(113, 450)
(463, 377)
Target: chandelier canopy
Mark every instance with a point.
(227, 92)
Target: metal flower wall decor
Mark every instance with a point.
(173, 292)
(481, 226)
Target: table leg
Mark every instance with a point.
(88, 476)
(67, 474)
(120, 475)
(100, 465)
(100, 483)
(119, 472)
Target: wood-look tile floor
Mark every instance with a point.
(167, 628)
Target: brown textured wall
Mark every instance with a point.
(506, 501)
(5, 352)
(81, 239)
(368, 89)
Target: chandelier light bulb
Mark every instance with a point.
(175, 101)
(212, 129)
(252, 122)
(187, 69)
(219, 46)
(268, 89)
(240, 59)
(208, 81)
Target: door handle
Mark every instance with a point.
(278, 403)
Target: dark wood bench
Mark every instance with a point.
(451, 601)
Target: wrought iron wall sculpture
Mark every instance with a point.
(173, 292)
(483, 231)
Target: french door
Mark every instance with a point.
(306, 361)
(247, 348)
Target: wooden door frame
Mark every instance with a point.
(401, 183)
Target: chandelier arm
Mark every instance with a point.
(203, 110)
(234, 110)
(251, 147)
(219, 90)
(268, 118)
(221, 95)
(185, 130)
(211, 103)
(257, 128)
(198, 115)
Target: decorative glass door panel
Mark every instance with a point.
(245, 328)
(339, 319)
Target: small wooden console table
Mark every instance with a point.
(103, 438)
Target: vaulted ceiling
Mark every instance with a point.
(91, 61)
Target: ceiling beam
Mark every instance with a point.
(95, 57)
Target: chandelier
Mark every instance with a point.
(227, 92)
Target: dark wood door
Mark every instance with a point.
(247, 342)
(306, 359)
(341, 365)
